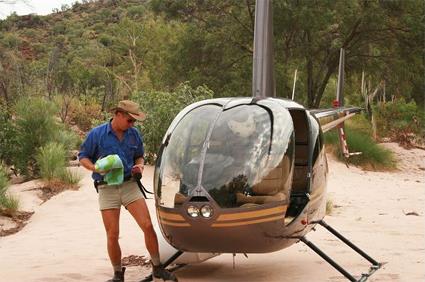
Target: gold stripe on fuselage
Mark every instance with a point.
(252, 214)
(176, 224)
(171, 216)
(230, 219)
(247, 222)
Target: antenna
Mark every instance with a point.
(295, 82)
(263, 84)
(340, 86)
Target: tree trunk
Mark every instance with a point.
(3, 91)
(310, 90)
(319, 94)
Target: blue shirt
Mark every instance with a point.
(101, 141)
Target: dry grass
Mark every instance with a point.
(20, 218)
(133, 260)
(54, 187)
(329, 206)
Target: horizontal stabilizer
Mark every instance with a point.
(330, 118)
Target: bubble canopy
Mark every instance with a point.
(235, 154)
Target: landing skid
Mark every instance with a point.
(374, 267)
(364, 276)
(166, 264)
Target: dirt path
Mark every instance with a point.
(65, 241)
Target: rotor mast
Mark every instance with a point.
(341, 78)
(263, 83)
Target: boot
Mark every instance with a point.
(159, 272)
(118, 276)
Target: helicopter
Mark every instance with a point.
(248, 174)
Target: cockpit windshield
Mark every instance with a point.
(240, 156)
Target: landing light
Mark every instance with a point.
(193, 211)
(207, 211)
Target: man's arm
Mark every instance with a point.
(87, 163)
(87, 150)
(139, 164)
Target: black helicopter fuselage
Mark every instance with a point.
(240, 175)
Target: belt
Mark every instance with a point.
(98, 183)
(137, 178)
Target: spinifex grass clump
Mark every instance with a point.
(51, 159)
(8, 204)
(36, 126)
(402, 122)
(25, 128)
(373, 155)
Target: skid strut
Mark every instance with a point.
(374, 267)
(166, 263)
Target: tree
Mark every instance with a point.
(220, 33)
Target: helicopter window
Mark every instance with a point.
(316, 150)
(180, 159)
(239, 168)
(317, 135)
(301, 169)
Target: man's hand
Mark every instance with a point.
(101, 172)
(138, 168)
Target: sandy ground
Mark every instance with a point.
(65, 240)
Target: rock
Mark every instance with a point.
(73, 155)
(74, 163)
(16, 179)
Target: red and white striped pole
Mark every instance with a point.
(341, 134)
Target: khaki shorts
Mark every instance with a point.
(113, 196)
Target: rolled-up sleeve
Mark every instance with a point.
(88, 148)
(140, 150)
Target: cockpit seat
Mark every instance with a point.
(271, 188)
(275, 181)
(242, 199)
(179, 199)
(271, 184)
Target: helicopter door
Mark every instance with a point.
(302, 167)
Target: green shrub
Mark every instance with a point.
(69, 177)
(400, 121)
(84, 114)
(66, 105)
(161, 108)
(136, 12)
(7, 137)
(59, 28)
(11, 40)
(360, 123)
(51, 160)
(8, 203)
(35, 126)
(4, 181)
(105, 40)
(106, 116)
(373, 155)
(69, 139)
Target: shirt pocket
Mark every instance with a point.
(131, 150)
(106, 149)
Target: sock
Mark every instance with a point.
(155, 260)
(117, 267)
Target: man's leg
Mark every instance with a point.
(140, 212)
(111, 219)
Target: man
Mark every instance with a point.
(119, 137)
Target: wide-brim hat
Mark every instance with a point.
(131, 108)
